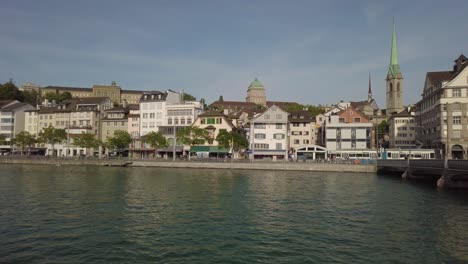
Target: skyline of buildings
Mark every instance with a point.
(346, 125)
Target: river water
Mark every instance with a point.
(106, 215)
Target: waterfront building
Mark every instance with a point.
(402, 129)
(268, 135)
(394, 80)
(12, 119)
(301, 129)
(348, 130)
(115, 118)
(153, 109)
(256, 93)
(442, 112)
(167, 113)
(75, 116)
(30, 121)
(321, 119)
(134, 121)
(213, 122)
(113, 91)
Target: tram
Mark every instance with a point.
(390, 154)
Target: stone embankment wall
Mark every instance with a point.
(333, 167)
(285, 166)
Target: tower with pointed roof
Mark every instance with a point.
(256, 93)
(369, 93)
(394, 80)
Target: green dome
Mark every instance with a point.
(256, 84)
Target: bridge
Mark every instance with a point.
(454, 174)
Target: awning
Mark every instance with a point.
(210, 149)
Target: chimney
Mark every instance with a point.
(46, 102)
(53, 103)
(124, 103)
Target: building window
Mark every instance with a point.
(457, 120)
(341, 120)
(260, 136)
(278, 116)
(267, 116)
(279, 126)
(176, 121)
(169, 121)
(357, 120)
(306, 141)
(259, 126)
(456, 92)
(296, 141)
(279, 146)
(279, 136)
(182, 121)
(189, 121)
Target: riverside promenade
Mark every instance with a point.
(217, 164)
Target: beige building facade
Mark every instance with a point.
(442, 113)
(301, 129)
(112, 91)
(256, 93)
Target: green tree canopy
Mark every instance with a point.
(192, 135)
(156, 140)
(315, 110)
(120, 140)
(232, 140)
(2, 139)
(58, 97)
(52, 136)
(31, 97)
(383, 128)
(189, 97)
(24, 139)
(86, 141)
(9, 91)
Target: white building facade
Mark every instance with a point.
(268, 136)
(347, 136)
(402, 129)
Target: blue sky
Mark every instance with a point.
(305, 51)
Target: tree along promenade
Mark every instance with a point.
(242, 164)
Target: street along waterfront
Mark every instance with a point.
(106, 214)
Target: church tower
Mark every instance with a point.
(394, 80)
(256, 93)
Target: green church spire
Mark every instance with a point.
(394, 68)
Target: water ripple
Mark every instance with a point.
(102, 215)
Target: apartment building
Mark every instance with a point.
(442, 113)
(268, 134)
(302, 130)
(402, 129)
(112, 91)
(12, 118)
(348, 130)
